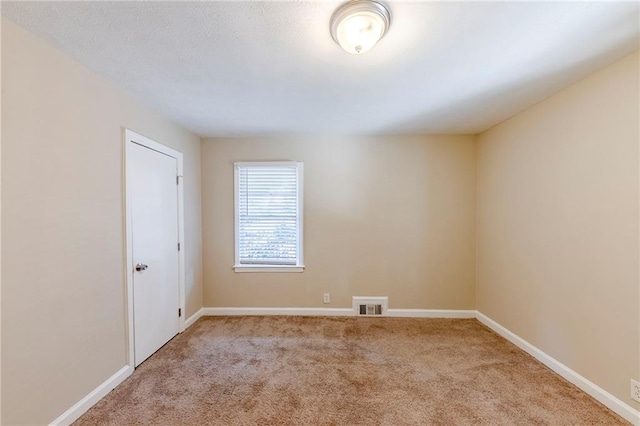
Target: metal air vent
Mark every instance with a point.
(370, 306)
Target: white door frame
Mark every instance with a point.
(131, 137)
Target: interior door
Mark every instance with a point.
(154, 214)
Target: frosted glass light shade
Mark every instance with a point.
(358, 25)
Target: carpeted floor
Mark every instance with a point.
(344, 371)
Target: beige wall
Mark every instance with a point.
(557, 225)
(63, 292)
(558, 230)
(390, 216)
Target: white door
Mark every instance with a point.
(154, 232)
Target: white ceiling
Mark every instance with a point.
(271, 68)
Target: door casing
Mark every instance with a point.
(131, 137)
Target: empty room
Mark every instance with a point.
(358, 212)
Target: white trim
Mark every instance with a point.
(236, 214)
(300, 200)
(431, 313)
(299, 266)
(314, 312)
(81, 407)
(193, 318)
(131, 137)
(337, 312)
(614, 404)
(268, 268)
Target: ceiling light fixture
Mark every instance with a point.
(359, 24)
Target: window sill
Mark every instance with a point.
(268, 268)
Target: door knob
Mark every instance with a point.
(141, 267)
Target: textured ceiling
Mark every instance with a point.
(271, 68)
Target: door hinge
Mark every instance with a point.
(178, 246)
(177, 180)
(179, 312)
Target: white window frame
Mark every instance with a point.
(299, 266)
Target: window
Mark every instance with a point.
(268, 217)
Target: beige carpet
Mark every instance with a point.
(344, 371)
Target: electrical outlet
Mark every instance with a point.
(635, 390)
(326, 298)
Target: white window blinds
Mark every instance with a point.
(268, 213)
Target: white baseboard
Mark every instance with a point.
(614, 404)
(431, 313)
(193, 318)
(337, 312)
(73, 413)
(314, 312)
